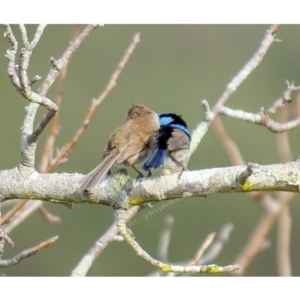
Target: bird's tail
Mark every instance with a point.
(155, 160)
(90, 180)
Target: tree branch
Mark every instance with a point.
(112, 190)
(26, 253)
(86, 262)
(263, 118)
(121, 223)
(210, 115)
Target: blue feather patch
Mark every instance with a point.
(155, 160)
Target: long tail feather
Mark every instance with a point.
(92, 178)
(155, 160)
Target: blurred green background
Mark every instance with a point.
(173, 69)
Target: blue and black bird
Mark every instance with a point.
(171, 145)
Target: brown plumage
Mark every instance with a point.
(128, 145)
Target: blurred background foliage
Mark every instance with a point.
(173, 69)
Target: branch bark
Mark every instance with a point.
(112, 190)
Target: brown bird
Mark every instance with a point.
(128, 145)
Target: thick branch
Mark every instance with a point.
(112, 190)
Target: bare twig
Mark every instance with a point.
(205, 254)
(35, 79)
(53, 73)
(242, 177)
(227, 143)
(26, 253)
(283, 244)
(121, 223)
(203, 247)
(201, 129)
(50, 217)
(283, 143)
(218, 244)
(47, 153)
(284, 220)
(21, 215)
(164, 240)
(41, 126)
(24, 59)
(86, 262)
(11, 56)
(4, 238)
(263, 118)
(12, 212)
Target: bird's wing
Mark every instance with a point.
(178, 140)
(132, 148)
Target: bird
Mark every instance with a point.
(172, 146)
(128, 145)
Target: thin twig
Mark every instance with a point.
(4, 238)
(54, 71)
(21, 215)
(26, 253)
(203, 247)
(264, 116)
(12, 212)
(284, 220)
(47, 152)
(24, 59)
(227, 143)
(283, 143)
(121, 223)
(217, 245)
(11, 57)
(164, 241)
(283, 243)
(202, 128)
(50, 217)
(204, 254)
(86, 262)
